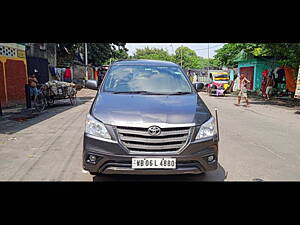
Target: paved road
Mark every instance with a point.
(257, 142)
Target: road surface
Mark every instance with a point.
(256, 143)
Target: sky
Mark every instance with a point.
(200, 48)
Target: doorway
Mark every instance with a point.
(249, 72)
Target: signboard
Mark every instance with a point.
(12, 50)
(297, 92)
(20, 53)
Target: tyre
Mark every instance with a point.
(73, 100)
(94, 173)
(73, 97)
(40, 103)
(50, 101)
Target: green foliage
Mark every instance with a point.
(227, 55)
(287, 54)
(66, 52)
(152, 53)
(98, 53)
(187, 56)
(204, 63)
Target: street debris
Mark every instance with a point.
(84, 171)
(257, 179)
(12, 139)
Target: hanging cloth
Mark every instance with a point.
(52, 70)
(265, 74)
(290, 79)
(281, 75)
(236, 85)
(276, 72)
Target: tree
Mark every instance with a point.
(98, 53)
(66, 52)
(286, 54)
(152, 53)
(226, 55)
(204, 63)
(188, 57)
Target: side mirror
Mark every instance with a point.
(198, 86)
(91, 84)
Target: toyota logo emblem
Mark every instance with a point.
(154, 131)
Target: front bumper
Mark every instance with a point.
(112, 158)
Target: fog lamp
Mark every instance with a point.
(92, 158)
(210, 158)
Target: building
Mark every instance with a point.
(253, 67)
(13, 74)
(41, 56)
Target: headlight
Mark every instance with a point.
(95, 128)
(208, 129)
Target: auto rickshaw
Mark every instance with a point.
(220, 83)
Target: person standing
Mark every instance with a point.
(243, 90)
(33, 82)
(68, 75)
(195, 78)
(269, 86)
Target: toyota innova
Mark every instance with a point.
(147, 118)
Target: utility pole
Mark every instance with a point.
(172, 48)
(181, 55)
(86, 62)
(208, 58)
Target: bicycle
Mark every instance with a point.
(39, 101)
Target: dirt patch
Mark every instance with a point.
(86, 93)
(22, 118)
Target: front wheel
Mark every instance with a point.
(50, 101)
(39, 103)
(73, 100)
(94, 173)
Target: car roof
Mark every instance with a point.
(144, 62)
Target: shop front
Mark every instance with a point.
(258, 69)
(253, 69)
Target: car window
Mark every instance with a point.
(163, 79)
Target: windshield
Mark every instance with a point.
(221, 77)
(143, 78)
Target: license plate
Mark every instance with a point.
(153, 163)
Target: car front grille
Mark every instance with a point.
(138, 139)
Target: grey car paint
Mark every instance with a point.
(145, 110)
(139, 110)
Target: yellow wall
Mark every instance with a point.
(21, 57)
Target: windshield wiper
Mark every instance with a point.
(137, 92)
(181, 93)
(151, 93)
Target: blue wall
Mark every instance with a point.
(259, 66)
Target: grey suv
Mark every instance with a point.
(147, 118)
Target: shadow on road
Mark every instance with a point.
(289, 103)
(217, 175)
(16, 122)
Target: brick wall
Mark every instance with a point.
(2, 90)
(16, 79)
